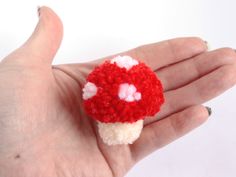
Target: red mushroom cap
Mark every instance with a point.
(106, 106)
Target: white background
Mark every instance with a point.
(93, 29)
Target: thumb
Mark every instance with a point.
(43, 44)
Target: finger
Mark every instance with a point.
(198, 92)
(43, 44)
(155, 55)
(163, 132)
(167, 52)
(184, 72)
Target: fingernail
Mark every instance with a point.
(208, 110)
(207, 44)
(38, 11)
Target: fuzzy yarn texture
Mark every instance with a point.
(120, 133)
(122, 90)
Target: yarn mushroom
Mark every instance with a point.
(119, 94)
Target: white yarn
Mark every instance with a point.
(128, 92)
(89, 90)
(124, 62)
(120, 133)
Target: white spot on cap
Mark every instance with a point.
(128, 92)
(124, 62)
(89, 90)
(137, 96)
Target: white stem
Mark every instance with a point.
(120, 133)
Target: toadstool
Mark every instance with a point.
(119, 94)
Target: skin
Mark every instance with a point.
(44, 130)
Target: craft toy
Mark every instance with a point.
(119, 94)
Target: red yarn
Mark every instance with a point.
(106, 106)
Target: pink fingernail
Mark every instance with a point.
(207, 44)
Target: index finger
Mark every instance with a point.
(168, 52)
(164, 53)
(156, 55)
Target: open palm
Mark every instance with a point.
(44, 130)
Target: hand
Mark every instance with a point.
(44, 130)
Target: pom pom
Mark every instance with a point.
(124, 62)
(89, 90)
(122, 90)
(120, 133)
(119, 94)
